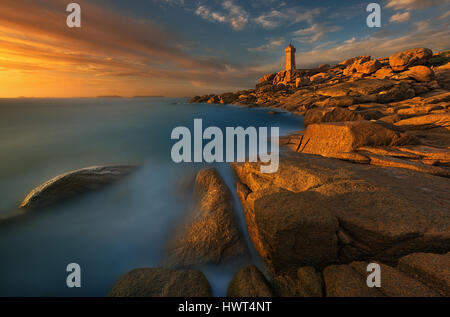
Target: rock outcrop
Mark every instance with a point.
(316, 211)
(73, 184)
(366, 181)
(211, 234)
(161, 282)
(416, 275)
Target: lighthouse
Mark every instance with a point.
(290, 57)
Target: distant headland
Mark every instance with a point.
(114, 96)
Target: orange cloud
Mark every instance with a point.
(110, 54)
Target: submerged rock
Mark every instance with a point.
(211, 234)
(161, 282)
(74, 183)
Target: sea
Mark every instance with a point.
(124, 226)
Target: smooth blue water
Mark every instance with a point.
(123, 227)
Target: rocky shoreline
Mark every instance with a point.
(367, 181)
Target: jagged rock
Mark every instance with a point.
(249, 282)
(405, 59)
(294, 216)
(210, 235)
(319, 115)
(362, 67)
(161, 282)
(351, 61)
(72, 184)
(431, 269)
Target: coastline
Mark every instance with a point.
(366, 182)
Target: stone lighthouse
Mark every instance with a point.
(290, 57)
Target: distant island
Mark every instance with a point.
(114, 96)
(148, 97)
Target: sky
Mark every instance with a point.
(180, 48)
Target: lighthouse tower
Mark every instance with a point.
(290, 57)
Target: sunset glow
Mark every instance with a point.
(126, 52)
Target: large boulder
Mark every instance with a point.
(421, 73)
(405, 59)
(72, 184)
(249, 282)
(316, 211)
(161, 282)
(210, 234)
(343, 137)
(363, 67)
